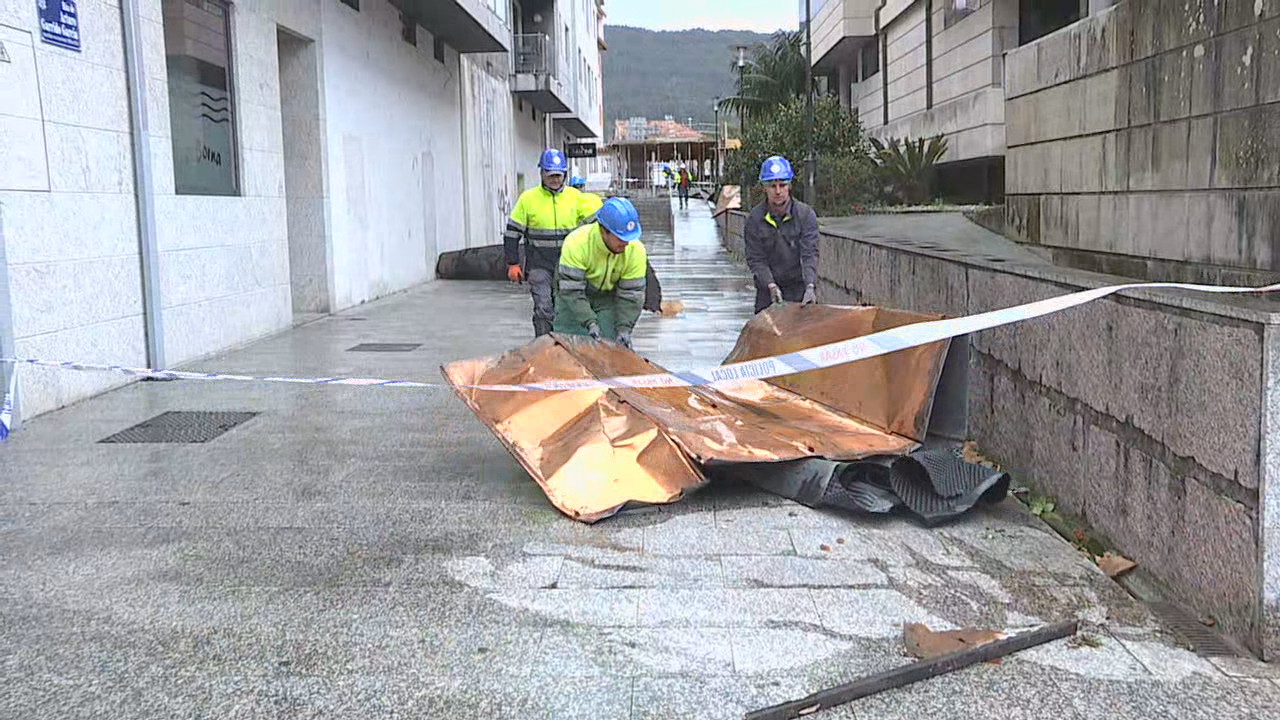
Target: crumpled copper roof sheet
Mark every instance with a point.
(593, 452)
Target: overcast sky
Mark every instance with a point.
(759, 15)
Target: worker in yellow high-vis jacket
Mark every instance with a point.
(543, 217)
(601, 278)
(591, 202)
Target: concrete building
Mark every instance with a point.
(1124, 143)
(1136, 141)
(180, 177)
(916, 68)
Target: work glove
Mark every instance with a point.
(810, 297)
(594, 331)
(515, 274)
(624, 339)
(775, 292)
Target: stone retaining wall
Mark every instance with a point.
(1143, 141)
(1154, 415)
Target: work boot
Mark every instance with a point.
(541, 327)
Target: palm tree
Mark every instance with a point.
(908, 165)
(774, 75)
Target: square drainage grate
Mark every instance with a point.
(181, 427)
(385, 347)
(1204, 641)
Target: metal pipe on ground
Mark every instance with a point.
(915, 672)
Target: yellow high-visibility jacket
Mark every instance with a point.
(543, 218)
(591, 279)
(591, 205)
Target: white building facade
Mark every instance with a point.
(179, 177)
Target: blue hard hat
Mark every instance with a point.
(553, 161)
(577, 181)
(619, 217)
(775, 168)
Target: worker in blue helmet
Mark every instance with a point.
(543, 217)
(601, 279)
(781, 237)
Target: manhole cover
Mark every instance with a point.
(1202, 640)
(384, 347)
(181, 427)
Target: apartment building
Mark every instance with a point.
(916, 68)
(183, 176)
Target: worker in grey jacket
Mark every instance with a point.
(781, 237)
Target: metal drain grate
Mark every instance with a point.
(1201, 640)
(181, 427)
(384, 347)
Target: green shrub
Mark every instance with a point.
(845, 172)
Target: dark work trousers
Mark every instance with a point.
(544, 308)
(684, 195)
(792, 291)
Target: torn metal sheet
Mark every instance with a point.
(596, 451)
(894, 391)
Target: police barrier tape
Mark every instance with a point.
(814, 358)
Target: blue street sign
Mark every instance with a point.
(60, 23)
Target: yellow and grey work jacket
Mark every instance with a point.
(543, 218)
(589, 272)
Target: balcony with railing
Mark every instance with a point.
(536, 76)
(468, 26)
(839, 28)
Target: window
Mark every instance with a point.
(197, 43)
(869, 59)
(957, 10)
(1037, 19)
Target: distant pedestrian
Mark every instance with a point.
(781, 237)
(683, 180)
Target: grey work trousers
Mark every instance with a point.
(544, 306)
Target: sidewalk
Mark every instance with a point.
(375, 552)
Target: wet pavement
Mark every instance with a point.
(375, 552)
(716, 292)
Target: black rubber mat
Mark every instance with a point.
(861, 496)
(938, 485)
(933, 485)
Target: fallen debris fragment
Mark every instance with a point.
(1115, 565)
(915, 672)
(671, 308)
(923, 643)
(970, 454)
(1084, 640)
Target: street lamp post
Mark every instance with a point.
(742, 72)
(809, 171)
(744, 193)
(716, 107)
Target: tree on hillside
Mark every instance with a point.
(654, 73)
(847, 172)
(773, 77)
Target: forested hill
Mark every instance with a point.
(655, 73)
